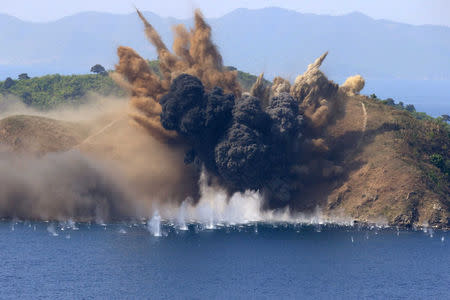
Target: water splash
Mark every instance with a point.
(51, 229)
(99, 215)
(428, 230)
(69, 224)
(14, 223)
(216, 209)
(181, 219)
(154, 225)
(72, 225)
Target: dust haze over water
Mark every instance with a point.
(198, 147)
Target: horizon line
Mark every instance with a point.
(218, 17)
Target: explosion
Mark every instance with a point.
(201, 140)
(272, 139)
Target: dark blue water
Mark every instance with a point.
(119, 261)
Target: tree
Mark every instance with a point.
(23, 76)
(410, 108)
(98, 69)
(390, 102)
(8, 83)
(437, 160)
(400, 105)
(445, 118)
(373, 96)
(26, 98)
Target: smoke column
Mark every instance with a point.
(195, 54)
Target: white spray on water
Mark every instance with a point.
(215, 209)
(181, 219)
(51, 229)
(154, 225)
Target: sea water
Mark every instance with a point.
(248, 261)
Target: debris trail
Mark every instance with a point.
(365, 117)
(101, 131)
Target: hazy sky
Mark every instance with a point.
(406, 11)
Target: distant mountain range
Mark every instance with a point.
(270, 40)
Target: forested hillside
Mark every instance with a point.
(49, 91)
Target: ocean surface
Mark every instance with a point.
(253, 261)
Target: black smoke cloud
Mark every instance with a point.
(238, 142)
(197, 116)
(243, 152)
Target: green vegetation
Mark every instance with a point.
(439, 161)
(423, 140)
(23, 76)
(154, 66)
(246, 80)
(99, 69)
(52, 90)
(410, 108)
(391, 102)
(427, 143)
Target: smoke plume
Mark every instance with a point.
(280, 85)
(194, 53)
(353, 84)
(261, 90)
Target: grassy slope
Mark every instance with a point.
(39, 134)
(391, 177)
